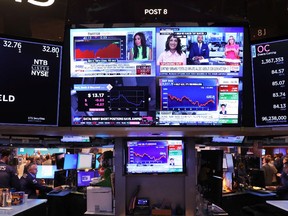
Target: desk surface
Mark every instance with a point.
(13, 210)
(99, 213)
(282, 204)
(262, 193)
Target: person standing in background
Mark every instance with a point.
(269, 170)
(8, 175)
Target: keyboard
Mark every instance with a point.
(55, 191)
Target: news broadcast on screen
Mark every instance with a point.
(143, 76)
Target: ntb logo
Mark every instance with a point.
(46, 3)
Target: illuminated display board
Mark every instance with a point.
(113, 86)
(30, 81)
(269, 63)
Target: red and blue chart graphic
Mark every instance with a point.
(99, 48)
(189, 94)
(148, 154)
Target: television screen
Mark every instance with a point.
(84, 178)
(46, 171)
(269, 82)
(70, 161)
(29, 81)
(230, 162)
(80, 139)
(126, 76)
(228, 139)
(155, 157)
(84, 161)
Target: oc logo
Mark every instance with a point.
(263, 48)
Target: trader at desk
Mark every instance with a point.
(30, 185)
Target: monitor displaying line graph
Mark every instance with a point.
(149, 154)
(155, 156)
(189, 94)
(128, 98)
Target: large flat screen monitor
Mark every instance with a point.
(155, 157)
(129, 76)
(46, 171)
(269, 70)
(29, 81)
(84, 161)
(85, 177)
(70, 161)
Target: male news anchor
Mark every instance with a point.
(199, 50)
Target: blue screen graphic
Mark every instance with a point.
(70, 161)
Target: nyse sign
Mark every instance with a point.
(39, 3)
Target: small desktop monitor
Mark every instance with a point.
(227, 184)
(84, 161)
(257, 178)
(70, 161)
(59, 158)
(230, 162)
(97, 163)
(85, 177)
(60, 177)
(46, 171)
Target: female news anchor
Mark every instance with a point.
(140, 51)
(173, 52)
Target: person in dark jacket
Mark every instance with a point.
(30, 185)
(8, 175)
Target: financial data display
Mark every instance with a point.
(30, 81)
(198, 101)
(155, 156)
(141, 77)
(270, 83)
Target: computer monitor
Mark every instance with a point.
(70, 161)
(84, 161)
(257, 178)
(59, 158)
(230, 162)
(60, 177)
(46, 171)
(84, 177)
(227, 184)
(97, 163)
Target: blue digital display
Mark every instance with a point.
(70, 161)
